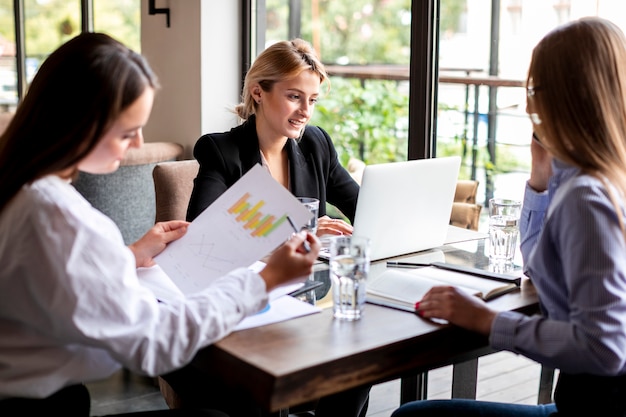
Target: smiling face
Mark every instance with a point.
(288, 106)
(125, 133)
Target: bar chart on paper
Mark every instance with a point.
(253, 219)
(243, 225)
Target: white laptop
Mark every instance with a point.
(405, 207)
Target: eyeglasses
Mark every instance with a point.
(530, 91)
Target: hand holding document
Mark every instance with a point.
(248, 221)
(243, 225)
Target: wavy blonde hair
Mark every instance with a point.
(578, 72)
(279, 62)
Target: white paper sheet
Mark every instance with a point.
(281, 306)
(243, 225)
(280, 309)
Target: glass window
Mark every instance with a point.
(365, 46)
(50, 23)
(121, 19)
(483, 54)
(482, 107)
(8, 74)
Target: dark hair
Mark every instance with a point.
(75, 97)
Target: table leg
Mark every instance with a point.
(414, 387)
(546, 382)
(464, 377)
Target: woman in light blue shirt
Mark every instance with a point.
(573, 233)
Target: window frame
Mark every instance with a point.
(424, 70)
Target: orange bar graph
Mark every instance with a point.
(240, 205)
(253, 221)
(262, 225)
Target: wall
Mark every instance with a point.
(197, 60)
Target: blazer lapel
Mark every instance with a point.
(249, 151)
(301, 175)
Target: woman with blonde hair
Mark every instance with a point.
(278, 98)
(573, 234)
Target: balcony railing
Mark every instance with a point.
(479, 89)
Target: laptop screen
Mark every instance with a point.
(405, 207)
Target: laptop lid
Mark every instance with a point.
(405, 207)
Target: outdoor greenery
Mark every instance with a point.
(49, 23)
(358, 32)
(368, 119)
(361, 124)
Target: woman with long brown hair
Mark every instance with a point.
(573, 234)
(73, 309)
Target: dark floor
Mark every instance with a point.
(501, 377)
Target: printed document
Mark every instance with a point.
(242, 226)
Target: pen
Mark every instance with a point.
(394, 305)
(305, 244)
(406, 264)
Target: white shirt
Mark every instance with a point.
(72, 309)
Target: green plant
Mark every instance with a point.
(367, 121)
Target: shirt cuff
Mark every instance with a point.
(535, 201)
(503, 329)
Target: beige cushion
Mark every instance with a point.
(152, 152)
(355, 169)
(466, 191)
(173, 183)
(465, 215)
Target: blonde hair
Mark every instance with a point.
(281, 61)
(578, 72)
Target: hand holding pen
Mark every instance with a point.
(290, 262)
(305, 244)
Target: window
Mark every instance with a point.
(48, 24)
(384, 105)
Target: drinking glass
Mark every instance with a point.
(504, 218)
(349, 267)
(313, 205)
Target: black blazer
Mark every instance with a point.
(314, 169)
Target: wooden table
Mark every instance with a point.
(296, 361)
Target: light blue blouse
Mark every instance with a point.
(576, 258)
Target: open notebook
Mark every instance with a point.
(405, 207)
(401, 289)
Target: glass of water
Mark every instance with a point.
(349, 267)
(504, 218)
(313, 204)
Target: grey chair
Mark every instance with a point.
(127, 195)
